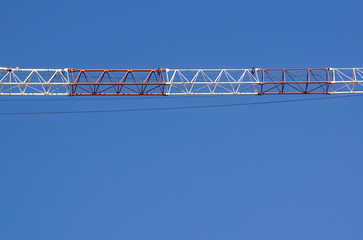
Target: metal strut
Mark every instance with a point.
(256, 81)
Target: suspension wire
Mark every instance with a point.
(81, 98)
(107, 98)
(178, 108)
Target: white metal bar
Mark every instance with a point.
(22, 82)
(211, 82)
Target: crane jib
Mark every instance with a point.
(164, 81)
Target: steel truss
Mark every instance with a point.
(211, 81)
(15, 81)
(264, 81)
(117, 81)
(347, 80)
(85, 82)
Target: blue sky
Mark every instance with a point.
(277, 171)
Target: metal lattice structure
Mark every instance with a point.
(211, 81)
(15, 81)
(86, 82)
(117, 82)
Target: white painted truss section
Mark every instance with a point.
(346, 80)
(43, 82)
(212, 81)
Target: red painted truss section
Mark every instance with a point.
(117, 82)
(295, 81)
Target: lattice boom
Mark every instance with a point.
(85, 82)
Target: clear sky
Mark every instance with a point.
(277, 171)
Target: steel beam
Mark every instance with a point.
(86, 82)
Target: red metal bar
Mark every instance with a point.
(86, 82)
(295, 81)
